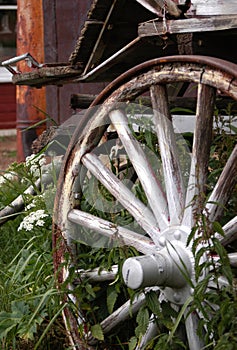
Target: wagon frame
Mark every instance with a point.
(165, 220)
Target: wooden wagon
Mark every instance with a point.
(140, 205)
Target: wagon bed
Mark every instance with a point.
(112, 41)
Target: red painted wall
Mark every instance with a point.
(7, 106)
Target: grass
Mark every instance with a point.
(30, 314)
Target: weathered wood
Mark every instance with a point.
(117, 234)
(189, 25)
(151, 185)
(47, 75)
(96, 275)
(223, 188)
(233, 259)
(81, 101)
(199, 7)
(203, 133)
(206, 74)
(168, 149)
(201, 150)
(192, 321)
(230, 230)
(157, 6)
(123, 313)
(214, 7)
(136, 208)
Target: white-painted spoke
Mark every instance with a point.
(223, 188)
(151, 185)
(96, 275)
(201, 150)
(230, 230)
(233, 259)
(122, 314)
(151, 332)
(168, 149)
(136, 208)
(117, 234)
(191, 325)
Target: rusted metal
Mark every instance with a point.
(212, 62)
(27, 57)
(30, 102)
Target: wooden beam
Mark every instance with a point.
(189, 25)
(214, 7)
(83, 101)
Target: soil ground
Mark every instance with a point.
(8, 151)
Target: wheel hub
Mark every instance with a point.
(170, 268)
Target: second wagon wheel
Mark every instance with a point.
(141, 207)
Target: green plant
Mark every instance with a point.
(30, 315)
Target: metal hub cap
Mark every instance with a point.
(170, 268)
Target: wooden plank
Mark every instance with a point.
(190, 25)
(214, 7)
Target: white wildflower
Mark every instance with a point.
(34, 218)
(7, 177)
(34, 202)
(30, 206)
(35, 162)
(39, 223)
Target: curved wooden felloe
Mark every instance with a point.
(137, 164)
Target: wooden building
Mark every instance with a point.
(8, 11)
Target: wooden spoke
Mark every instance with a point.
(151, 332)
(119, 316)
(201, 150)
(171, 167)
(123, 313)
(97, 275)
(135, 207)
(191, 324)
(233, 259)
(146, 175)
(230, 230)
(118, 235)
(223, 188)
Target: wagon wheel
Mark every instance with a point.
(122, 223)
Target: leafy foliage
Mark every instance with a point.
(30, 312)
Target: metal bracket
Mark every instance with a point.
(30, 61)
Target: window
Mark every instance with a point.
(7, 29)
(8, 17)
